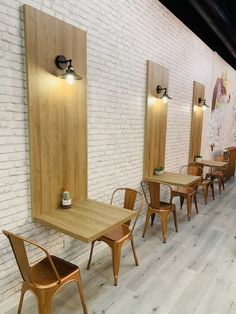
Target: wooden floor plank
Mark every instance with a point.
(194, 272)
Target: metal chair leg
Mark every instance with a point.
(135, 256)
(146, 224)
(23, 290)
(195, 202)
(90, 255)
(175, 220)
(116, 249)
(81, 292)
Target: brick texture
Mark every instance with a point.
(122, 35)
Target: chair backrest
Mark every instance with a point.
(220, 158)
(21, 257)
(192, 169)
(19, 250)
(154, 193)
(224, 168)
(130, 198)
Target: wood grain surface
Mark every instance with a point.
(156, 119)
(172, 178)
(86, 220)
(197, 120)
(57, 111)
(213, 163)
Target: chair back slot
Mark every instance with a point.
(21, 257)
(151, 193)
(154, 192)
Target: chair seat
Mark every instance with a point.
(204, 182)
(215, 174)
(180, 190)
(117, 234)
(166, 206)
(42, 274)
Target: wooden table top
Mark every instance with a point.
(87, 220)
(173, 178)
(213, 163)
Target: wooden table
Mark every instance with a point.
(212, 164)
(172, 178)
(87, 220)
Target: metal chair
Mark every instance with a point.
(188, 193)
(155, 206)
(218, 174)
(205, 184)
(121, 234)
(45, 278)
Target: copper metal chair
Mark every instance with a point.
(218, 174)
(190, 192)
(45, 278)
(205, 184)
(119, 235)
(155, 206)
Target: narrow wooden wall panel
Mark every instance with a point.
(156, 119)
(197, 120)
(57, 111)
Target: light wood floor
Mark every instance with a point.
(194, 272)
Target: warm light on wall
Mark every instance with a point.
(70, 75)
(165, 97)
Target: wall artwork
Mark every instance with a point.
(223, 104)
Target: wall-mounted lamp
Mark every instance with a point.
(165, 96)
(70, 75)
(202, 103)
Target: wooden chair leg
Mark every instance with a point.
(116, 249)
(175, 220)
(189, 207)
(146, 224)
(152, 219)
(23, 290)
(164, 220)
(195, 202)
(135, 256)
(81, 292)
(181, 201)
(90, 255)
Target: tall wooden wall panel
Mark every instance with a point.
(156, 119)
(197, 120)
(57, 111)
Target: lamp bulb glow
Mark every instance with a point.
(165, 99)
(70, 79)
(195, 108)
(203, 108)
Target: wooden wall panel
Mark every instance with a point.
(57, 111)
(156, 119)
(197, 120)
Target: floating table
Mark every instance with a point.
(87, 220)
(212, 164)
(173, 178)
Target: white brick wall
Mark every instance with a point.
(122, 35)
